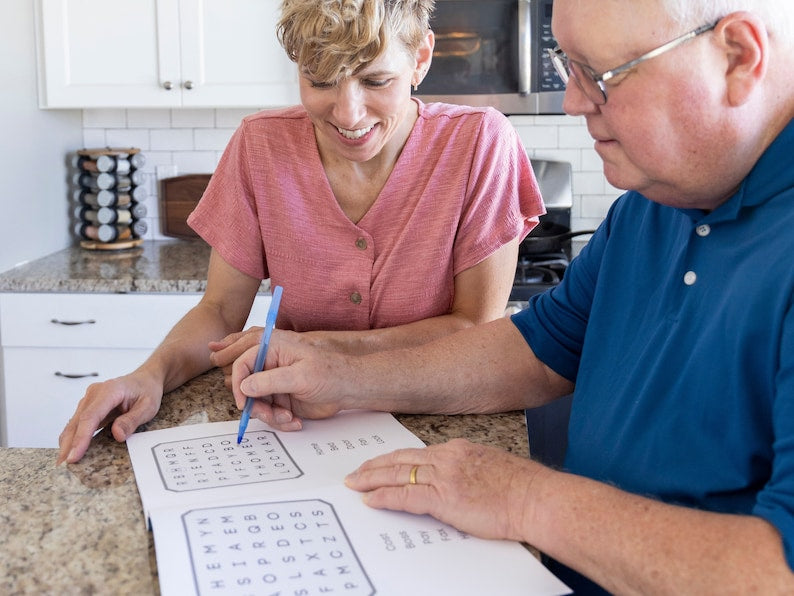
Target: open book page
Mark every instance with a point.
(202, 463)
(272, 516)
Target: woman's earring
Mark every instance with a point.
(416, 87)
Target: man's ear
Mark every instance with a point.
(744, 38)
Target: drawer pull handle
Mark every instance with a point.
(58, 322)
(74, 376)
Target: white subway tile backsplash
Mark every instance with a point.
(193, 118)
(104, 118)
(171, 139)
(230, 118)
(572, 156)
(149, 118)
(595, 206)
(563, 120)
(591, 162)
(157, 158)
(539, 137)
(575, 136)
(519, 121)
(196, 162)
(94, 138)
(612, 189)
(194, 139)
(589, 183)
(128, 137)
(213, 139)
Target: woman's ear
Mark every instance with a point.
(424, 56)
(745, 41)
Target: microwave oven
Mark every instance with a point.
(493, 53)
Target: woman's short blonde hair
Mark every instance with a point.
(332, 39)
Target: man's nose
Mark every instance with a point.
(575, 101)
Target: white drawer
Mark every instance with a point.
(45, 368)
(90, 320)
(39, 402)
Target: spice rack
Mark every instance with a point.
(109, 192)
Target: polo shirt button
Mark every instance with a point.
(703, 230)
(690, 277)
(355, 298)
(361, 243)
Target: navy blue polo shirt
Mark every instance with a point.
(678, 328)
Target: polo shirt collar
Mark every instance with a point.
(772, 174)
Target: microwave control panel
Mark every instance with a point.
(548, 79)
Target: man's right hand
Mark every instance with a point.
(126, 402)
(301, 381)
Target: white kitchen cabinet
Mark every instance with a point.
(55, 345)
(162, 53)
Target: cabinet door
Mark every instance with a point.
(162, 53)
(231, 55)
(43, 386)
(108, 53)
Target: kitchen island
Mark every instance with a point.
(79, 528)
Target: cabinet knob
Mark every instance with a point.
(188, 85)
(168, 85)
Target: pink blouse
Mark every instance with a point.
(461, 188)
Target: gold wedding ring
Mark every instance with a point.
(412, 475)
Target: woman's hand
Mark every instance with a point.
(230, 348)
(481, 490)
(127, 402)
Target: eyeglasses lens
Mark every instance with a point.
(568, 69)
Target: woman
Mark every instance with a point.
(388, 222)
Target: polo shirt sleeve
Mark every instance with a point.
(555, 322)
(775, 502)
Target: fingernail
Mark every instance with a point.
(283, 417)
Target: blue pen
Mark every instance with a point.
(259, 365)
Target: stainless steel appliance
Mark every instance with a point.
(544, 255)
(493, 53)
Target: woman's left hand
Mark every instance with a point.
(480, 490)
(228, 349)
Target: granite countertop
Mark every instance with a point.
(79, 529)
(154, 266)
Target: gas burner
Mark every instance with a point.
(537, 273)
(532, 274)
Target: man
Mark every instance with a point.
(676, 325)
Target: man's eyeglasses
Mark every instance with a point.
(593, 84)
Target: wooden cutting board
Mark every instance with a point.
(179, 196)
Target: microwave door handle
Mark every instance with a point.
(524, 46)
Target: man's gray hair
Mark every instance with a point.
(777, 14)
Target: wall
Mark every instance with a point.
(33, 149)
(193, 140)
